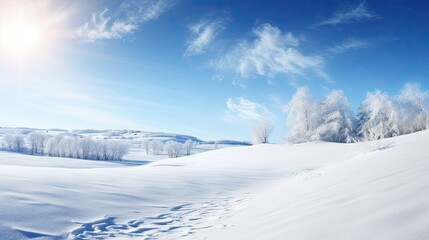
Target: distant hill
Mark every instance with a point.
(134, 136)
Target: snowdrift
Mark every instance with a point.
(304, 191)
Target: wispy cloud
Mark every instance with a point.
(268, 54)
(278, 101)
(348, 45)
(123, 21)
(246, 109)
(349, 14)
(203, 33)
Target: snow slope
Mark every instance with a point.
(376, 195)
(305, 191)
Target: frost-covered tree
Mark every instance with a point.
(86, 148)
(414, 114)
(145, 146)
(155, 146)
(262, 130)
(68, 147)
(187, 146)
(172, 148)
(19, 143)
(302, 119)
(15, 143)
(53, 147)
(115, 150)
(8, 138)
(378, 117)
(337, 120)
(98, 150)
(37, 142)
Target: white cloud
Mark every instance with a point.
(123, 21)
(246, 109)
(349, 45)
(102, 27)
(203, 33)
(269, 54)
(347, 15)
(278, 101)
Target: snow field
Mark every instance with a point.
(304, 191)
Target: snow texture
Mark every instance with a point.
(370, 190)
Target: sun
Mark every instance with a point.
(20, 36)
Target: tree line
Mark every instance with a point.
(379, 116)
(171, 147)
(66, 146)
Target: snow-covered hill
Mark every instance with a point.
(134, 138)
(130, 135)
(304, 191)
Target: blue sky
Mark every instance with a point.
(205, 68)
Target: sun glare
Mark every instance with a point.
(20, 37)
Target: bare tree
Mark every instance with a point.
(262, 130)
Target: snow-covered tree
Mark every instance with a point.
(302, 119)
(172, 148)
(19, 143)
(337, 120)
(187, 146)
(378, 117)
(115, 150)
(86, 148)
(262, 129)
(15, 143)
(53, 147)
(98, 150)
(145, 146)
(8, 138)
(37, 142)
(155, 146)
(68, 147)
(414, 114)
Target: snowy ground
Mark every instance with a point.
(305, 191)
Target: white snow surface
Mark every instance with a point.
(303, 191)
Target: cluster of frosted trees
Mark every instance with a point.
(86, 148)
(67, 146)
(171, 148)
(380, 116)
(14, 143)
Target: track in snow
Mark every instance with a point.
(182, 221)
